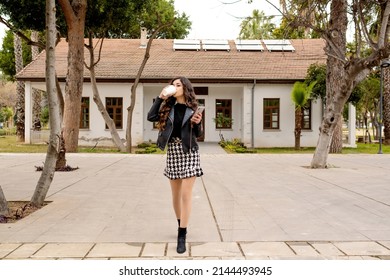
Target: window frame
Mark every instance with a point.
(308, 107)
(224, 109)
(114, 113)
(84, 113)
(266, 113)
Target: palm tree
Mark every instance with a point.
(36, 93)
(19, 89)
(386, 105)
(257, 26)
(300, 94)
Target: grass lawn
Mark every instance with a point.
(361, 149)
(8, 144)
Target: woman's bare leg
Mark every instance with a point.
(186, 200)
(176, 196)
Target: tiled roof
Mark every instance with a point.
(121, 59)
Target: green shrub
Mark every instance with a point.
(235, 146)
(45, 116)
(7, 131)
(147, 150)
(143, 145)
(242, 150)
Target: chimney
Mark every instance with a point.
(144, 40)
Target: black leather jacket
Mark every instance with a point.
(189, 132)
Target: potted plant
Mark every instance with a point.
(223, 122)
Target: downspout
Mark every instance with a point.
(253, 115)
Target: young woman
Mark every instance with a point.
(179, 125)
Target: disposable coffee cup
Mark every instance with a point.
(169, 90)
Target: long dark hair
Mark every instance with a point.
(189, 97)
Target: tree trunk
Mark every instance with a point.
(36, 93)
(61, 157)
(4, 211)
(74, 12)
(133, 95)
(336, 145)
(19, 89)
(337, 87)
(386, 105)
(298, 127)
(47, 174)
(366, 135)
(96, 98)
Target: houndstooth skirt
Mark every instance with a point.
(182, 165)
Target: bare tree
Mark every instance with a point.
(47, 174)
(96, 96)
(133, 95)
(74, 13)
(344, 71)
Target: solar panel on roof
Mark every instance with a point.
(186, 44)
(278, 45)
(248, 45)
(215, 45)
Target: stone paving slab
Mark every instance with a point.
(385, 243)
(63, 250)
(327, 249)
(221, 249)
(119, 250)
(362, 248)
(154, 250)
(303, 249)
(213, 250)
(261, 249)
(7, 248)
(243, 202)
(25, 251)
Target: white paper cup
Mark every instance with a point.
(169, 90)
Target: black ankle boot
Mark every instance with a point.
(181, 240)
(178, 222)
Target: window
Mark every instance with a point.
(201, 90)
(114, 106)
(271, 113)
(306, 116)
(223, 113)
(84, 115)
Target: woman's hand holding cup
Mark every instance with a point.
(168, 91)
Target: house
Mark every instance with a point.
(247, 80)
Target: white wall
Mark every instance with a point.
(240, 94)
(151, 91)
(97, 131)
(309, 138)
(233, 92)
(284, 136)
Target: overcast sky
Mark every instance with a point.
(220, 19)
(2, 33)
(212, 19)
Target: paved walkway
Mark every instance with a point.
(258, 206)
